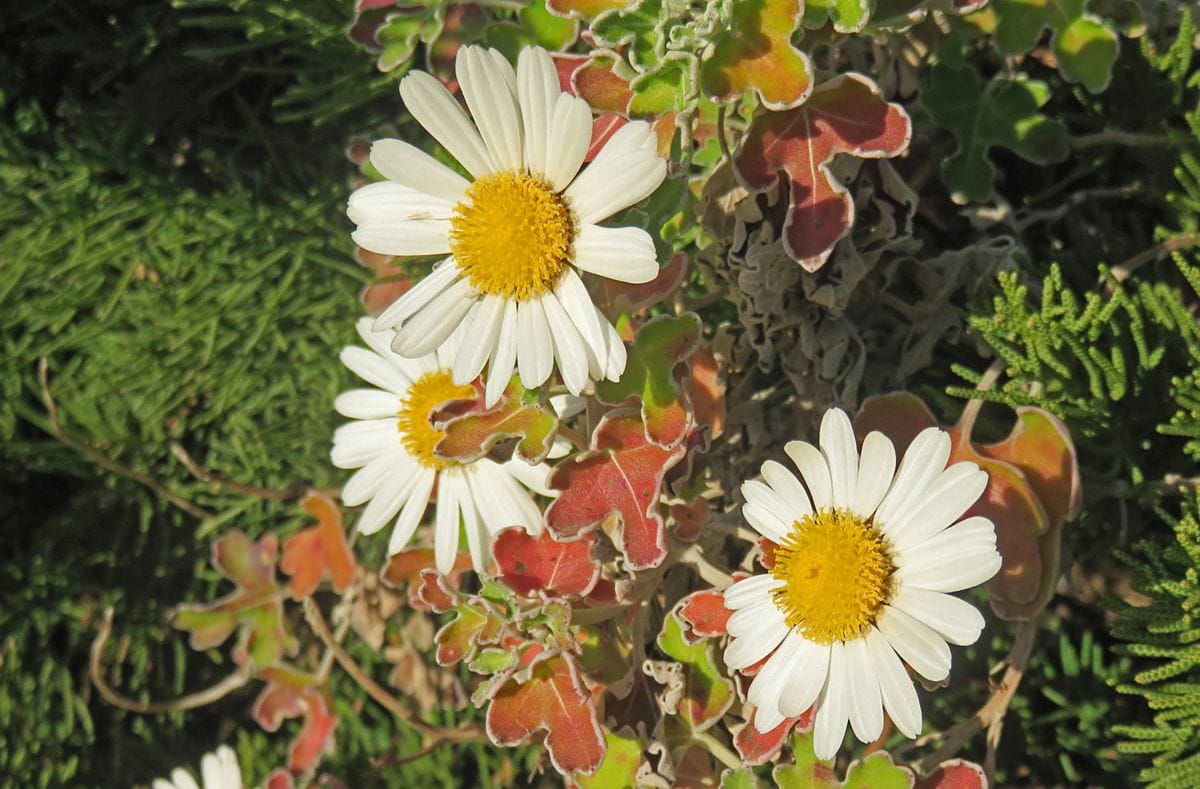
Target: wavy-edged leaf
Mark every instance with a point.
(529, 564)
(291, 693)
(756, 54)
(520, 413)
(311, 554)
(707, 693)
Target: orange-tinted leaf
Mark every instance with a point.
(549, 696)
(756, 53)
(954, 774)
(662, 344)
(621, 474)
(690, 518)
(475, 622)
(618, 297)
(519, 413)
(255, 606)
(757, 747)
(898, 415)
(310, 554)
(846, 115)
(531, 564)
(707, 390)
(433, 591)
(291, 693)
(598, 81)
(1041, 446)
(705, 614)
(403, 572)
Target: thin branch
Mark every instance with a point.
(721, 139)
(1119, 137)
(210, 695)
(204, 475)
(574, 436)
(1155, 253)
(102, 460)
(970, 413)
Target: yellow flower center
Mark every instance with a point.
(511, 235)
(426, 394)
(837, 570)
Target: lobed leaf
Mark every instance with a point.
(311, 554)
(291, 693)
(756, 53)
(707, 693)
(529, 564)
(520, 413)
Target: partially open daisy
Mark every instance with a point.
(865, 558)
(218, 770)
(391, 444)
(518, 231)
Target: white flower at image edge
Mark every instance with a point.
(865, 560)
(518, 231)
(391, 444)
(218, 770)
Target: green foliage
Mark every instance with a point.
(1165, 632)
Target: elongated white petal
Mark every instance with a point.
(602, 190)
(841, 453)
(417, 296)
(409, 166)
(535, 349)
(917, 644)
(805, 684)
(482, 328)
(412, 237)
(617, 353)
(367, 404)
(533, 477)
(388, 501)
(952, 494)
(387, 469)
(437, 320)
(745, 651)
(922, 463)
(446, 522)
(767, 686)
(413, 512)
(866, 704)
(765, 523)
(358, 443)
(386, 201)
(788, 487)
(764, 496)
(434, 108)
(814, 470)
(955, 620)
(833, 707)
(376, 370)
(625, 254)
(750, 590)
(630, 138)
(537, 94)
(570, 136)
(752, 619)
(896, 687)
(574, 298)
(479, 542)
(485, 84)
(569, 349)
(875, 470)
(505, 356)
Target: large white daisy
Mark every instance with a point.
(218, 770)
(391, 444)
(865, 558)
(518, 231)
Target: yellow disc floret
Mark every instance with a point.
(837, 570)
(512, 235)
(424, 396)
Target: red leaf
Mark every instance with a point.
(280, 779)
(549, 696)
(558, 569)
(690, 518)
(848, 115)
(705, 613)
(621, 474)
(255, 606)
(310, 554)
(757, 747)
(898, 415)
(291, 693)
(707, 391)
(954, 774)
(434, 593)
(403, 572)
(519, 413)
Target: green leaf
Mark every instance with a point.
(875, 771)
(668, 87)
(707, 693)
(848, 16)
(640, 26)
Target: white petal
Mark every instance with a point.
(602, 190)
(569, 349)
(952, 494)
(505, 356)
(762, 495)
(745, 651)
(537, 92)
(367, 404)
(617, 354)
(535, 349)
(434, 108)
(866, 705)
(875, 470)
(388, 501)
(374, 369)
(409, 166)
(229, 767)
(814, 470)
(414, 237)
(963, 552)
(767, 718)
(479, 541)
(533, 477)
(574, 298)
(955, 620)
(767, 687)
(367, 481)
(417, 296)
(896, 687)
(414, 510)
(388, 202)
(358, 443)
(182, 779)
(833, 707)
(446, 523)
(925, 459)
(485, 84)
(750, 590)
(629, 138)
(437, 320)
(765, 523)
(621, 253)
(917, 644)
(841, 453)
(501, 501)
(788, 488)
(483, 329)
(569, 140)
(805, 684)
(754, 619)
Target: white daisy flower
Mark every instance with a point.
(391, 444)
(518, 233)
(866, 556)
(218, 770)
